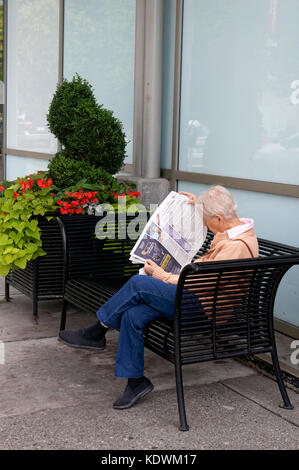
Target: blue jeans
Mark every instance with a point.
(138, 302)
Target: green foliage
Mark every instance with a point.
(5, 184)
(70, 175)
(66, 172)
(20, 239)
(105, 193)
(87, 131)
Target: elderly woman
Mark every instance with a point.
(146, 298)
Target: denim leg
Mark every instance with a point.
(139, 289)
(130, 352)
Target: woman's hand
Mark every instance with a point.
(152, 269)
(192, 197)
(150, 266)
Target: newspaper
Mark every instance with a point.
(173, 235)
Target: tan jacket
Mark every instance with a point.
(222, 248)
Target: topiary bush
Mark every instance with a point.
(86, 130)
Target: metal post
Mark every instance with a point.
(152, 88)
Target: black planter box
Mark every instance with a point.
(42, 279)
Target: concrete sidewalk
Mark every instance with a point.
(56, 397)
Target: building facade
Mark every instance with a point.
(207, 90)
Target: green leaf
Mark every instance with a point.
(5, 240)
(21, 263)
(11, 250)
(4, 270)
(32, 234)
(19, 226)
(39, 252)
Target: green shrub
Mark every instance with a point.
(67, 172)
(87, 130)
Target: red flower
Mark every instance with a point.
(2, 188)
(29, 184)
(15, 195)
(4, 213)
(137, 193)
(41, 182)
(26, 185)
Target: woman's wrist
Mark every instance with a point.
(159, 273)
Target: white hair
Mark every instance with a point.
(217, 201)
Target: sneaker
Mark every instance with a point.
(76, 339)
(131, 395)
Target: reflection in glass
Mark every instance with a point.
(99, 45)
(32, 72)
(23, 166)
(240, 89)
(168, 81)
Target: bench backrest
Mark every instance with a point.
(237, 299)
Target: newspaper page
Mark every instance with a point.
(173, 235)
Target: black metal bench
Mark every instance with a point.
(237, 297)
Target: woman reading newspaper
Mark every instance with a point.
(146, 298)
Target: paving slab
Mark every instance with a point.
(45, 373)
(266, 393)
(218, 418)
(17, 322)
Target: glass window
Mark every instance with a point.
(21, 166)
(272, 215)
(240, 89)
(32, 73)
(2, 91)
(99, 45)
(168, 79)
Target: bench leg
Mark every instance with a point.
(286, 401)
(180, 395)
(7, 298)
(63, 314)
(35, 308)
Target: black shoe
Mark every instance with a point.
(132, 394)
(77, 339)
